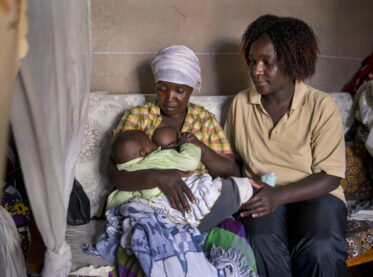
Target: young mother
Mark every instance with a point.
(177, 72)
(283, 125)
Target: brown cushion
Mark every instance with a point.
(357, 184)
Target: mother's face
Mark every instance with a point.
(173, 98)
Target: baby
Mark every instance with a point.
(133, 150)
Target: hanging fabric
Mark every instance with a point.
(48, 116)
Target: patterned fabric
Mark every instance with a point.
(165, 247)
(359, 168)
(227, 234)
(162, 246)
(20, 212)
(359, 236)
(198, 121)
(231, 234)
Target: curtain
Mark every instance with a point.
(48, 116)
(13, 47)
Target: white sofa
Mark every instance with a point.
(103, 114)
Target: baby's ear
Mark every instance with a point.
(142, 152)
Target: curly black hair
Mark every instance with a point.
(295, 44)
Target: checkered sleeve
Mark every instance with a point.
(131, 120)
(217, 139)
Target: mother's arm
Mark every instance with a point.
(223, 165)
(168, 181)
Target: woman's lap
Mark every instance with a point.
(268, 238)
(311, 231)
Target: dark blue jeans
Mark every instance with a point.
(305, 238)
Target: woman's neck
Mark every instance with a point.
(175, 121)
(280, 97)
(276, 104)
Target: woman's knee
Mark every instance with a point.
(323, 251)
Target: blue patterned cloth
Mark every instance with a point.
(163, 246)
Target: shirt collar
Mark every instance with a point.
(155, 109)
(192, 111)
(299, 98)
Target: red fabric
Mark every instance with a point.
(365, 74)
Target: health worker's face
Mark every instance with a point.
(264, 69)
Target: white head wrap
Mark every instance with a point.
(177, 64)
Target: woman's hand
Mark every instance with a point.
(186, 137)
(268, 198)
(222, 165)
(264, 202)
(176, 191)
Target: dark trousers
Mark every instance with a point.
(301, 239)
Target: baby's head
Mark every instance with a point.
(131, 144)
(165, 137)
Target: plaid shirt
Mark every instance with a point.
(198, 121)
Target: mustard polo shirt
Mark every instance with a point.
(308, 139)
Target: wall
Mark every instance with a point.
(126, 34)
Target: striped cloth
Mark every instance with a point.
(198, 121)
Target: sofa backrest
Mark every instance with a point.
(104, 112)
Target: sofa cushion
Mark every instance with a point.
(357, 184)
(345, 106)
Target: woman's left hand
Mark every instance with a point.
(184, 137)
(264, 202)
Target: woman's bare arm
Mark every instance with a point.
(222, 165)
(269, 198)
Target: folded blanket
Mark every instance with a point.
(167, 247)
(163, 246)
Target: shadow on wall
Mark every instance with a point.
(145, 77)
(232, 73)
